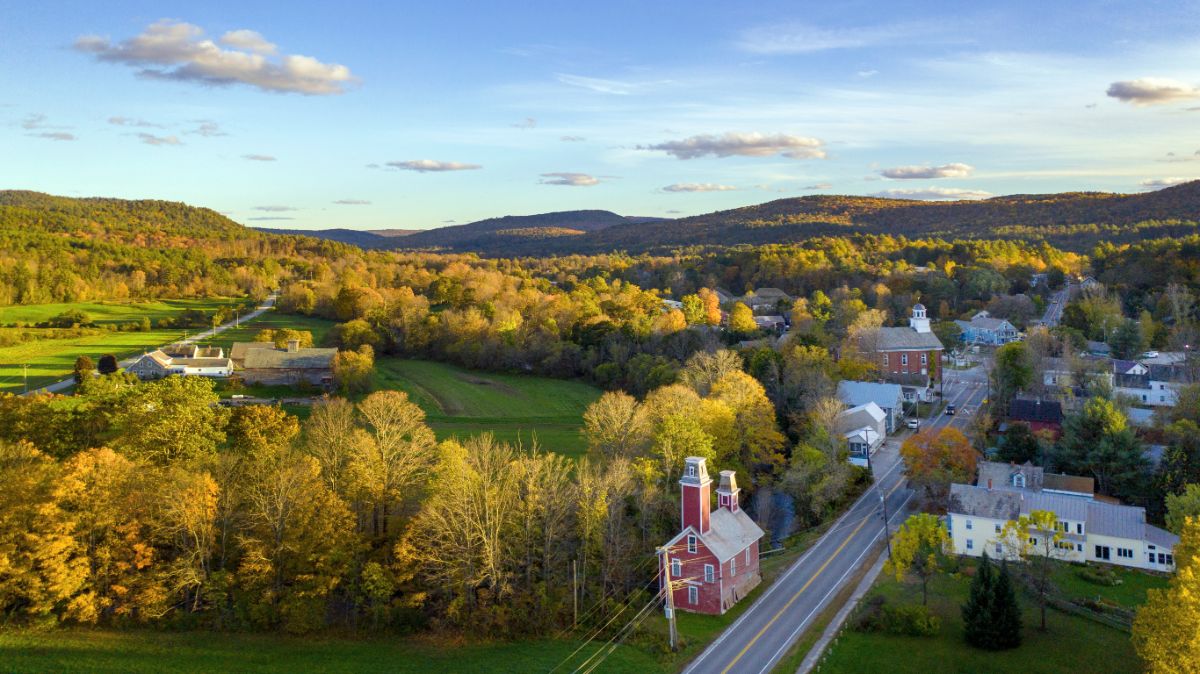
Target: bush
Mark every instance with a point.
(1099, 575)
(908, 620)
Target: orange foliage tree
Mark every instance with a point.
(933, 460)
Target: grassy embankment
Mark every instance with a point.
(1070, 643)
(50, 360)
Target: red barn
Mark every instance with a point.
(714, 559)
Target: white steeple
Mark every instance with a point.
(919, 321)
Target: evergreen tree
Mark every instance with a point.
(1006, 614)
(108, 363)
(977, 612)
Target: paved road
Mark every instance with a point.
(64, 384)
(1054, 310)
(764, 633)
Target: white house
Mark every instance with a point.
(863, 428)
(889, 398)
(192, 361)
(983, 329)
(1092, 531)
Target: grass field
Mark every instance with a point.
(52, 359)
(319, 327)
(461, 403)
(1070, 643)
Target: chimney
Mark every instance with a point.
(989, 484)
(727, 491)
(694, 497)
(293, 345)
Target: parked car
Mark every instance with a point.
(913, 423)
(950, 409)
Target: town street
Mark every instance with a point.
(763, 634)
(64, 384)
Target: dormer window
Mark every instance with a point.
(1018, 480)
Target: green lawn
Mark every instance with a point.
(461, 403)
(1071, 643)
(1131, 593)
(319, 327)
(136, 651)
(52, 359)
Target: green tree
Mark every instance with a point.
(977, 612)
(352, 370)
(84, 369)
(108, 364)
(919, 547)
(1127, 340)
(1098, 441)
(1013, 372)
(741, 320)
(1019, 444)
(1182, 506)
(176, 418)
(1006, 612)
(693, 310)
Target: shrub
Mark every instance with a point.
(906, 620)
(1098, 575)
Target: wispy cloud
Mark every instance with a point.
(151, 139)
(1152, 91)
(742, 144)
(817, 186)
(54, 135)
(208, 129)
(569, 179)
(131, 121)
(934, 193)
(352, 202)
(37, 122)
(276, 209)
(867, 73)
(270, 217)
(698, 187)
(572, 139)
(608, 86)
(527, 123)
(258, 157)
(803, 38)
(1159, 183)
(431, 166)
(174, 50)
(956, 170)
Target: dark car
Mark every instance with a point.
(950, 409)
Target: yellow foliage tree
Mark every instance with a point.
(918, 547)
(1166, 631)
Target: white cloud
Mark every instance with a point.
(207, 129)
(174, 50)
(801, 38)
(1159, 183)
(268, 217)
(258, 157)
(698, 187)
(1152, 91)
(276, 209)
(130, 121)
(569, 179)
(742, 144)
(572, 139)
(151, 139)
(867, 73)
(248, 40)
(818, 186)
(597, 84)
(352, 202)
(431, 165)
(956, 170)
(934, 193)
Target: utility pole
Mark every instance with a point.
(670, 604)
(886, 536)
(25, 371)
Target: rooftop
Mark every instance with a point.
(907, 339)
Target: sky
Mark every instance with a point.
(416, 115)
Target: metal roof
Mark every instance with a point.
(907, 339)
(855, 393)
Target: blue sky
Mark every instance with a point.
(422, 114)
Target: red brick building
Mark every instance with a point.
(910, 355)
(714, 558)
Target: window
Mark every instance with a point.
(733, 566)
(708, 573)
(904, 359)
(969, 526)
(1170, 560)
(1150, 555)
(1162, 559)
(1102, 552)
(999, 549)
(885, 360)
(924, 359)
(692, 544)
(1018, 480)
(747, 556)
(693, 595)
(1079, 527)
(1125, 553)
(970, 544)
(1032, 540)
(676, 568)
(691, 470)
(997, 528)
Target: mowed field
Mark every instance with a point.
(50, 360)
(272, 319)
(514, 408)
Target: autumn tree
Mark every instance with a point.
(176, 418)
(1037, 540)
(918, 547)
(693, 310)
(332, 436)
(616, 425)
(935, 459)
(759, 443)
(712, 306)
(352, 370)
(84, 368)
(1181, 507)
(1165, 627)
(401, 449)
(741, 320)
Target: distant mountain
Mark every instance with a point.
(1071, 220)
(362, 238)
(487, 235)
(141, 222)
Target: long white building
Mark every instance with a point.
(1092, 531)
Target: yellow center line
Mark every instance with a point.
(796, 596)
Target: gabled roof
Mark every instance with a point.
(1072, 483)
(855, 393)
(728, 533)
(202, 362)
(986, 323)
(769, 293)
(907, 339)
(868, 415)
(1044, 411)
(239, 349)
(303, 359)
(1001, 474)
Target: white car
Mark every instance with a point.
(913, 423)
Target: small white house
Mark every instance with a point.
(889, 398)
(863, 428)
